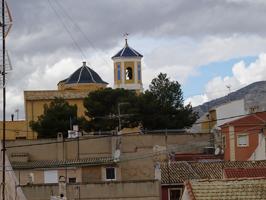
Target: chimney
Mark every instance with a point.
(84, 63)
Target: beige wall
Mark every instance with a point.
(148, 190)
(93, 146)
(38, 174)
(137, 152)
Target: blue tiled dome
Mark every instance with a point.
(127, 51)
(83, 75)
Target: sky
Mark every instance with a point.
(211, 47)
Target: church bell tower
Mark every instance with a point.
(127, 69)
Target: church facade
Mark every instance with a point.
(127, 75)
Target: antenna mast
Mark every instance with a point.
(4, 101)
(5, 24)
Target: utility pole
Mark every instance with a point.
(4, 101)
(119, 114)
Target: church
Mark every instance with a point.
(127, 75)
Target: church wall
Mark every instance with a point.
(82, 86)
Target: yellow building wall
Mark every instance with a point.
(35, 108)
(209, 123)
(81, 86)
(17, 130)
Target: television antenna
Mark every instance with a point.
(5, 25)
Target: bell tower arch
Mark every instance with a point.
(128, 69)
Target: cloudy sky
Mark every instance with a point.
(206, 45)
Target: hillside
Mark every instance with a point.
(254, 94)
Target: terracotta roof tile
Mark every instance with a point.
(241, 189)
(178, 172)
(245, 172)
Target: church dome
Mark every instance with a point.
(126, 52)
(84, 75)
(83, 78)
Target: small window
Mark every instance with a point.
(175, 194)
(118, 72)
(72, 180)
(110, 173)
(224, 141)
(129, 74)
(139, 72)
(242, 140)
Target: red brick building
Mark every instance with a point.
(244, 138)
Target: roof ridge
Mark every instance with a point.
(80, 74)
(122, 51)
(88, 69)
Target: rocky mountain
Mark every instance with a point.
(254, 95)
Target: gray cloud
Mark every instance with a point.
(38, 39)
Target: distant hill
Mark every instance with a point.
(254, 94)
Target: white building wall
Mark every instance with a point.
(260, 152)
(229, 110)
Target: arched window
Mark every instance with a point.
(129, 74)
(118, 72)
(139, 72)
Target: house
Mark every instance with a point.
(174, 174)
(99, 162)
(127, 75)
(244, 138)
(254, 188)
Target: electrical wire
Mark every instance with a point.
(78, 28)
(67, 30)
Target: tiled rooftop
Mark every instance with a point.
(245, 172)
(240, 189)
(60, 163)
(127, 51)
(178, 172)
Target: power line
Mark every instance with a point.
(78, 27)
(67, 30)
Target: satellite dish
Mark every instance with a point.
(217, 151)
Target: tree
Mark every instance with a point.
(102, 109)
(58, 116)
(162, 106)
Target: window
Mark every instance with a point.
(139, 72)
(110, 173)
(175, 194)
(242, 140)
(72, 180)
(224, 142)
(129, 74)
(51, 176)
(118, 72)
